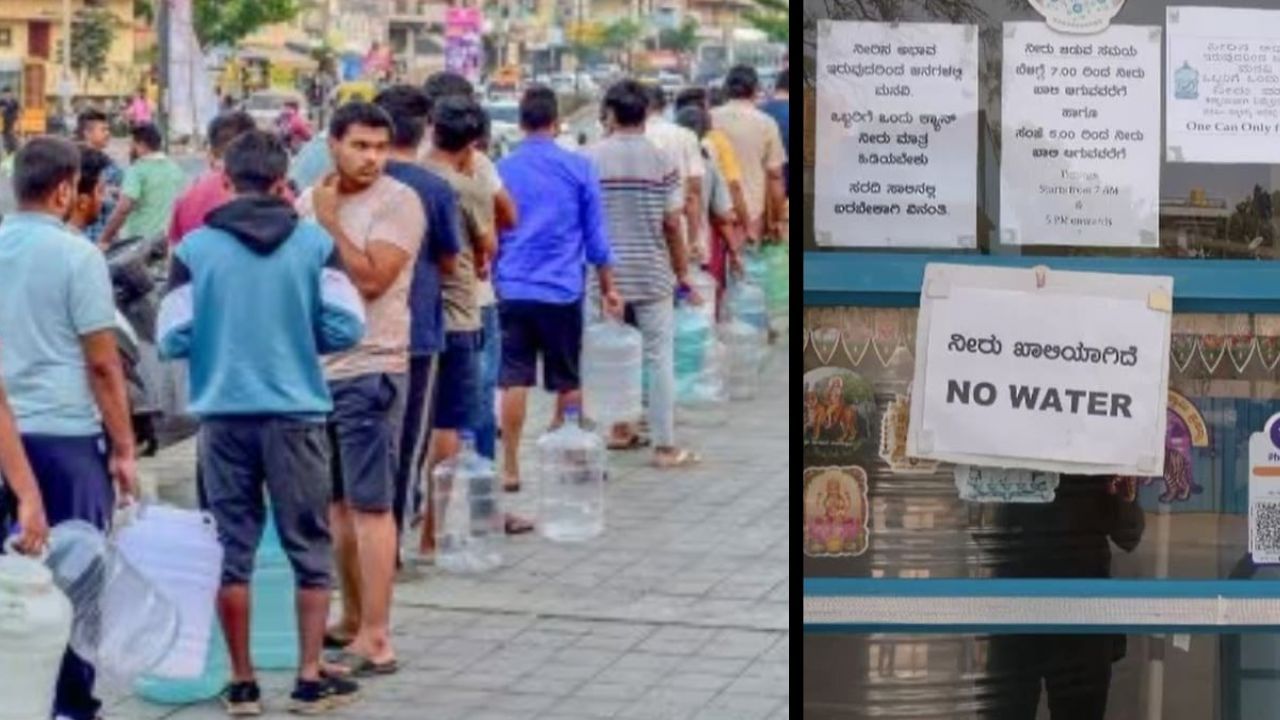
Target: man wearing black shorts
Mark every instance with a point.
(539, 272)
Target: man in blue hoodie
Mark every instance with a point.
(255, 297)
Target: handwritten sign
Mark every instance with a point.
(1068, 377)
(897, 135)
(1081, 132)
(1223, 85)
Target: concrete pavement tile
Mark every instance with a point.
(611, 690)
(664, 703)
(595, 658)
(642, 677)
(677, 640)
(727, 667)
(747, 707)
(539, 683)
(617, 643)
(580, 707)
(554, 669)
(642, 660)
(562, 625)
(529, 703)
(765, 685)
(543, 639)
(739, 643)
(697, 681)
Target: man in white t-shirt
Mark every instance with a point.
(682, 147)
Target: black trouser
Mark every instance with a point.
(414, 437)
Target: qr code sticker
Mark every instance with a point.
(1265, 529)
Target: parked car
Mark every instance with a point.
(265, 106)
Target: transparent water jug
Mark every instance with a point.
(178, 552)
(706, 287)
(184, 691)
(120, 622)
(273, 631)
(742, 351)
(611, 373)
(469, 523)
(571, 483)
(777, 281)
(700, 395)
(745, 301)
(35, 623)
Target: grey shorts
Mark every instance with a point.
(238, 456)
(364, 435)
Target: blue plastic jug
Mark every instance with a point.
(166, 691)
(273, 630)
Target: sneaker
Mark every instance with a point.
(242, 699)
(312, 697)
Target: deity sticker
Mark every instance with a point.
(1186, 429)
(893, 440)
(835, 512)
(838, 409)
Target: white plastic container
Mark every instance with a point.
(611, 374)
(178, 552)
(743, 352)
(468, 519)
(120, 622)
(571, 486)
(35, 623)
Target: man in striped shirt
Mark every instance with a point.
(643, 202)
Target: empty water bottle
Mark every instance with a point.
(121, 623)
(611, 373)
(572, 464)
(746, 302)
(705, 286)
(468, 521)
(743, 349)
(699, 379)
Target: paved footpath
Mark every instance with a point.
(678, 611)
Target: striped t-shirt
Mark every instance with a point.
(639, 185)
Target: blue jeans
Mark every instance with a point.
(490, 360)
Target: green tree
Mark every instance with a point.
(770, 18)
(227, 22)
(621, 36)
(683, 39)
(93, 29)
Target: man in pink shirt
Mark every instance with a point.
(211, 190)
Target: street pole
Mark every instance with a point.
(64, 83)
(163, 17)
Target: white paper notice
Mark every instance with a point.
(1081, 134)
(897, 135)
(1069, 377)
(1223, 80)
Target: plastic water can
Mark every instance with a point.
(706, 286)
(743, 349)
(121, 623)
(178, 552)
(35, 624)
(746, 302)
(171, 691)
(611, 373)
(571, 486)
(469, 523)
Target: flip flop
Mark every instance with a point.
(516, 525)
(359, 666)
(334, 641)
(511, 488)
(635, 442)
(682, 458)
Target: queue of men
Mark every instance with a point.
(341, 340)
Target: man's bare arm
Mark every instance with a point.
(676, 245)
(106, 381)
(115, 222)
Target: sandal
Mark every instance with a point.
(513, 487)
(356, 665)
(334, 641)
(635, 442)
(681, 458)
(515, 525)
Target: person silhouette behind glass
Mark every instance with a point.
(1069, 537)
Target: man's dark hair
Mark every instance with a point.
(695, 96)
(695, 118)
(657, 98)
(226, 127)
(742, 82)
(359, 113)
(539, 108)
(255, 161)
(781, 83)
(459, 122)
(716, 96)
(92, 163)
(445, 84)
(408, 107)
(149, 135)
(87, 118)
(628, 102)
(42, 165)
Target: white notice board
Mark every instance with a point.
(897, 135)
(1068, 377)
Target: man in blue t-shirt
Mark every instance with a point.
(409, 106)
(779, 108)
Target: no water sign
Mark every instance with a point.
(1264, 493)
